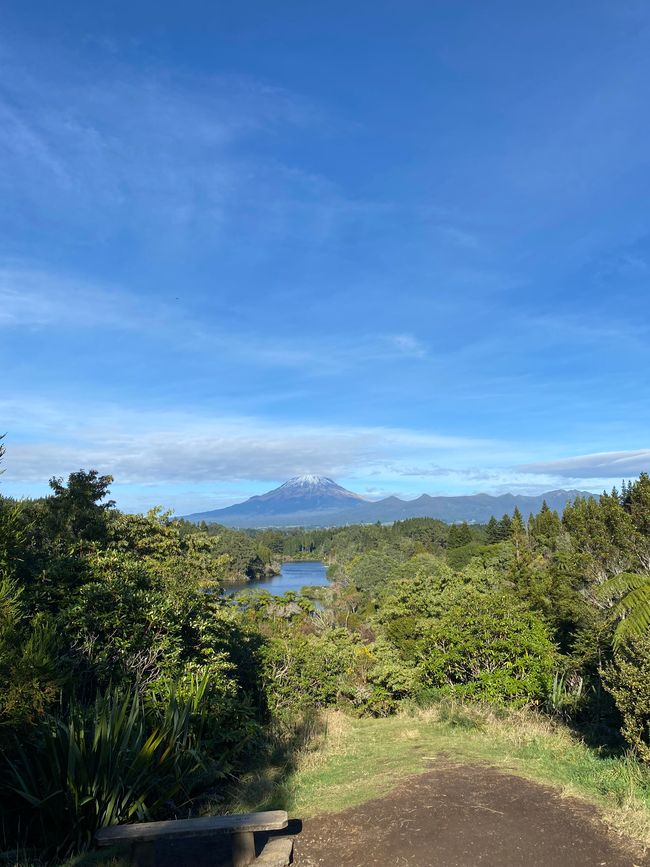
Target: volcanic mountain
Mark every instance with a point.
(316, 501)
(302, 494)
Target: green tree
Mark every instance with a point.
(75, 512)
(545, 528)
(493, 533)
(628, 681)
(28, 667)
(519, 539)
(639, 509)
(603, 531)
(459, 535)
(505, 526)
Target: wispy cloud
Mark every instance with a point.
(601, 465)
(34, 297)
(162, 155)
(192, 461)
(177, 447)
(409, 345)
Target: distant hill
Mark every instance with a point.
(316, 501)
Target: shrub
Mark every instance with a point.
(302, 670)
(28, 667)
(336, 668)
(628, 681)
(460, 555)
(490, 647)
(118, 761)
(389, 678)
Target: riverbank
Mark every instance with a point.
(292, 578)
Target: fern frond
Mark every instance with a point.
(634, 609)
(622, 584)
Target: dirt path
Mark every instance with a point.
(456, 815)
(462, 816)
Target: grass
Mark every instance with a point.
(98, 858)
(354, 760)
(336, 762)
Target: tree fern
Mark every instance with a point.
(632, 593)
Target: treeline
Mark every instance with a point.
(131, 685)
(335, 543)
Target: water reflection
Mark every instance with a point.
(293, 576)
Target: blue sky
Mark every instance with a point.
(403, 244)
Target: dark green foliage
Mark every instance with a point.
(628, 680)
(498, 531)
(459, 535)
(492, 531)
(76, 512)
(460, 555)
(117, 760)
(505, 526)
(367, 572)
(431, 534)
(95, 602)
(29, 668)
(11, 536)
(544, 529)
(247, 558)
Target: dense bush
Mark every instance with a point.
(486, 646)
(309, 670)
(306, 670)
(628, 680)
(121, 758)
(29, 669)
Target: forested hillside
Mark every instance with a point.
(131, 685)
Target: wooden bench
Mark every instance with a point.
(241, 828)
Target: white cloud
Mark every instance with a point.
(600, 465)
(171, 158)
(408, 345)
(142, 448)
(35, 297)
(195, 461)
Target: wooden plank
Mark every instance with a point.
(272, 820)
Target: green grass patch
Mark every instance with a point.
(354, 760)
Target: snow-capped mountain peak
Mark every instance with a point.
(311, 500)
(309, 481)
(302, 494)
(319, 491)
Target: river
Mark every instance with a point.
(293, 576)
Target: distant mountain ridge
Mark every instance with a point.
(318, 501)
(300, 494)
